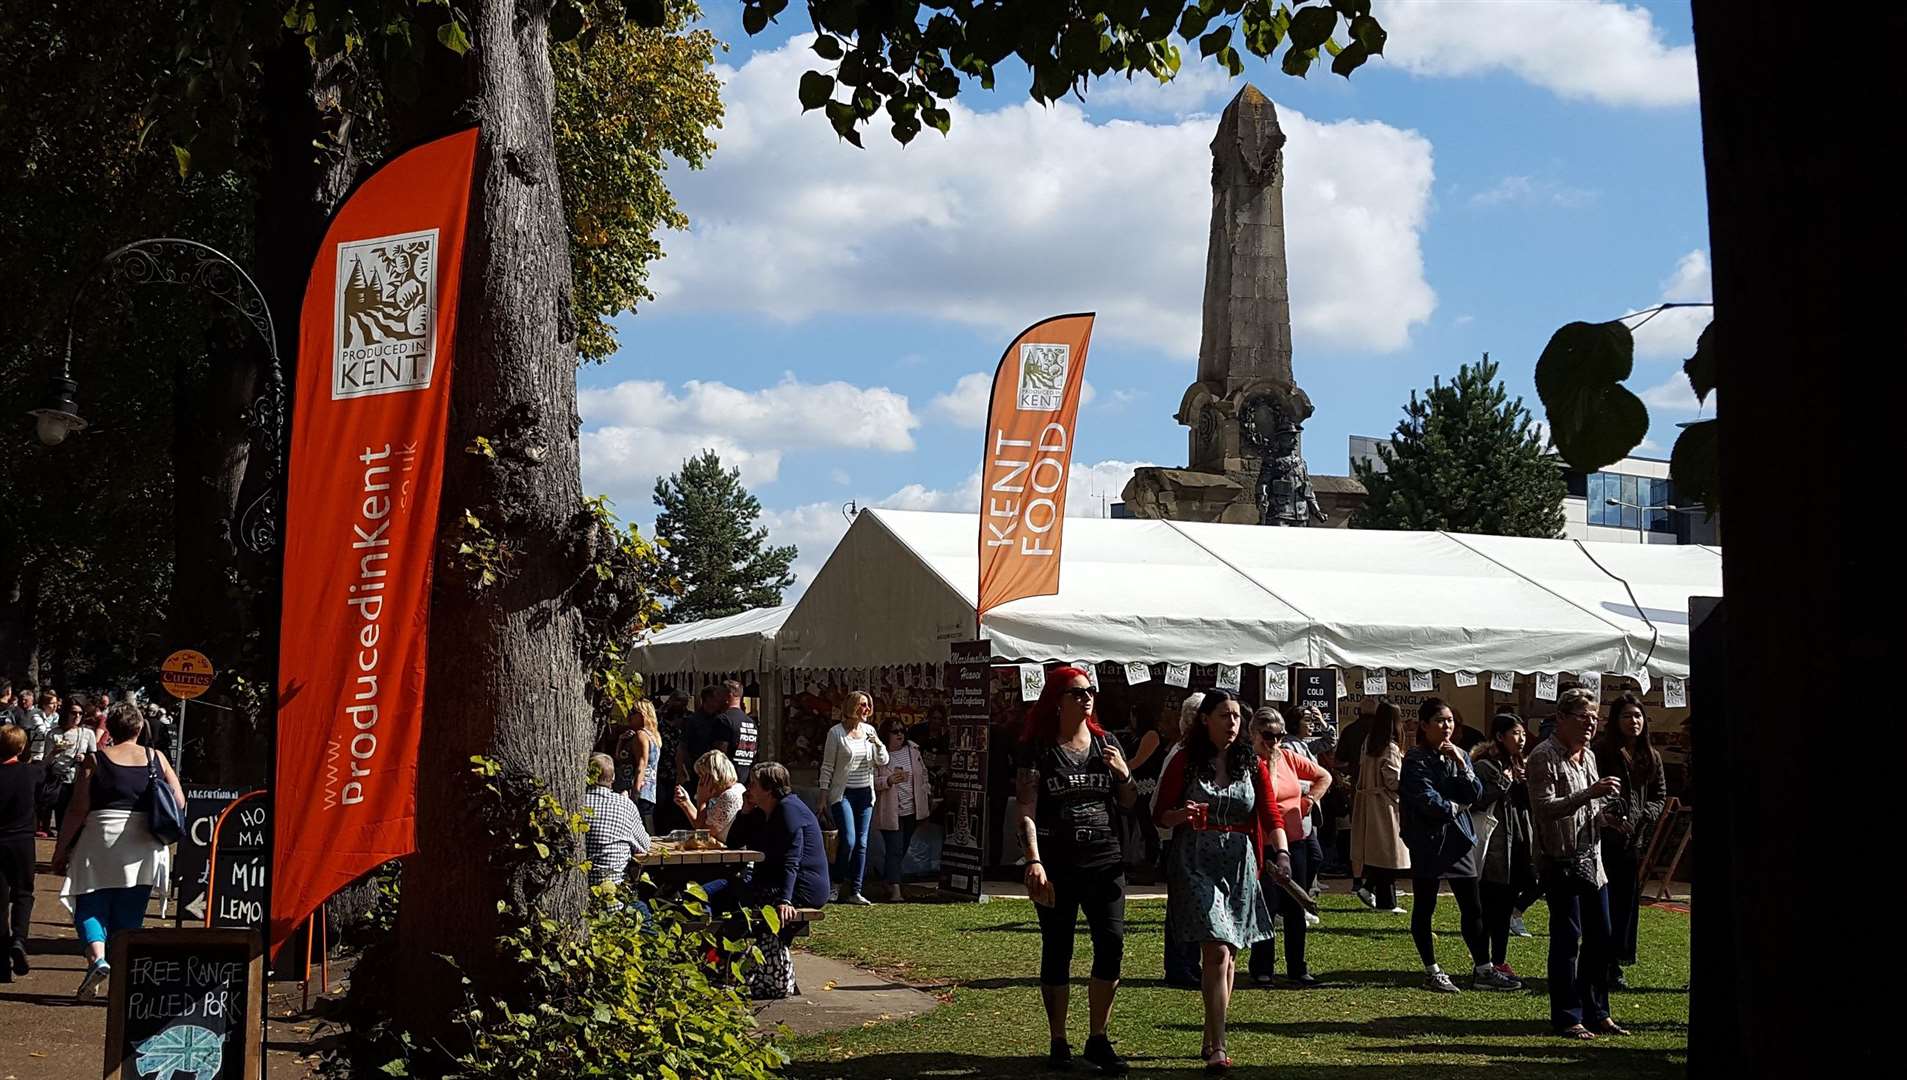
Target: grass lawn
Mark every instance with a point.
(1370, 1018)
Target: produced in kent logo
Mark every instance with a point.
(1043, 377)
(386, 309)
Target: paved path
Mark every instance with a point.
(46, 1035)
(835, 995)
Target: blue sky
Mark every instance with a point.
(1507, 168)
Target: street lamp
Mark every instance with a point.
(171, 261)
(1642, 517)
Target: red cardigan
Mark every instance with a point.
(1171, 795)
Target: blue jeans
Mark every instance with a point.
(894, 844)
(1579, 952)
(99, 914)
(853, 815)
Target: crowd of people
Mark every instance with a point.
(1237, 804)
(84, 770)
(1234, 804)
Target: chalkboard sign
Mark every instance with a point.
(241, 856)
(192, 865)
(1318, 687)
(186, 1003)
(963, 850)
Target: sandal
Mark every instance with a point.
(1217, 1060)
(1576, 1031)
(1610, 1027)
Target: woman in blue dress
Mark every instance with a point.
(1220, 790)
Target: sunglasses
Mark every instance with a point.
(1078, 693)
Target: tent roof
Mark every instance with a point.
(742, 642)
(901, 586)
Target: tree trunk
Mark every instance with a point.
(505, 673)
(1806, 233)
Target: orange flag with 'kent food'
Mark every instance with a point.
(1029, 453)
(375, 346)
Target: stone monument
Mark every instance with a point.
(1245, 412)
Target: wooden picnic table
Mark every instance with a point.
(660, 856)
(669, 869)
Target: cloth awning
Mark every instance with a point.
(744, 642)
(901, 586)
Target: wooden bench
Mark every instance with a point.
(806, 917)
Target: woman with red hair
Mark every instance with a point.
(1069, 774)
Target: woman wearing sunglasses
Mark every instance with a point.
(1070, 773)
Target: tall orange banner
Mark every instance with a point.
(1029, 454)
(367, 449)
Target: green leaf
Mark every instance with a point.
(452, 36)
(1233, 62)
(815, 90)
(1594, 420)
(827, 47)
(1367, 29)
(1298, 61)
(1332, 47)
(1310, 27)
(1193, 23)
(1700, 368)
(1215, 41)
(395, 1067)
(754, 20)
(1350, 59)
(1351, 9)
(1695, 465)
(566, 22)
(647, 13)
(184, 158)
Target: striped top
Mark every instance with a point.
(848, 761)
(615, 834)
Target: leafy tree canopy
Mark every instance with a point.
(1466, 459)
(713, 547)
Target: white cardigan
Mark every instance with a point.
(837, 760)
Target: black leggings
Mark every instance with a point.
(16, 893)
(1500, 901)
(1101, 893)
(1469, 917)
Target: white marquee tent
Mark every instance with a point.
(744, 642)
(901, 586)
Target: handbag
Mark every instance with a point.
(164, 816)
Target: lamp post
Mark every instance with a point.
(1642, 517)
(172, 261)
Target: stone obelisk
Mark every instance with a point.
(1245, 412)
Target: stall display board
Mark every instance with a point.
(1668, 847)
(969, 713)
(236, 888)
(192, 865)
(1318, 688)
(186, 1002)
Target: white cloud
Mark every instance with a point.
(815, 528)
(639, 429)
(965, 406)
(1028, 211)
(1587, 50)
(1674, 394)
(1199, 87)
(1532, 191)
(1671, 334)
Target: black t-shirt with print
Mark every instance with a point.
(737, 728)
(1074, 813)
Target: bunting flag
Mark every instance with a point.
(1030, 430)
(375, 350)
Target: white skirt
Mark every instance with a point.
(116, 850)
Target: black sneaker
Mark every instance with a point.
(1060, 1056)
(1303, 981)
(1099, 1051)
(1617, 982)
(20, 965)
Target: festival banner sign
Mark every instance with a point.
(375, 351)
(1028, 456)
